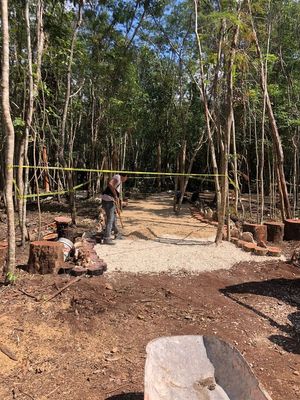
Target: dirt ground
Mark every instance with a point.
(89, 342)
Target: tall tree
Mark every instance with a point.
(10, 142)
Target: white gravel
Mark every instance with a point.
(173, 255)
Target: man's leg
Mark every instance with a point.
(115, 226)
(109, 208)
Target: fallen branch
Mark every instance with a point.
(5, 350)
(28, 294)
(63, 288)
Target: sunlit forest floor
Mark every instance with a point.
(89, 341)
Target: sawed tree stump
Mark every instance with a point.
(45, 257)
(275, 231)
(62, 223)
(259, 232)
(292, 229)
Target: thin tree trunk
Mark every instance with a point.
(227, 137)
(159, 165)
(45, 171)
(189, 170)
(208, 118)
(282, 186)
(32, 93)
(235, 169)
(262, 191)
(65, 114)
(10, 143)
(257, 171)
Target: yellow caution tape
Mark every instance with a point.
(46, 194)
(109, 171)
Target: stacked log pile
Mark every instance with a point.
(253, 237)
(87, 258)
(47, 256)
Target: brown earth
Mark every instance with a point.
(89, 342)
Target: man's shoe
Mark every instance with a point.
(108, 241)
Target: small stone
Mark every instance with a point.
(108, 286)
(247, 237)
(297, 373)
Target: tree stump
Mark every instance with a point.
(274, 251)
(62, 223)
(292, 229)
(45, 257)
(259, 232)
(260, 251)
(249, 247)
(275, 231)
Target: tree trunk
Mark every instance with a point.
(227, 136)
(208, 118)
(46, 171)
(34, 80)
(10, 143)
(159, 165)
(282, 186)
(65, 114)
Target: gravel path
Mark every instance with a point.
(158, 241)
(173, 255)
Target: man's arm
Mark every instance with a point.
(112, 185)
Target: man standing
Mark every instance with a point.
(111, 200)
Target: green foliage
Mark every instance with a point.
(135, 72)
(10, 278)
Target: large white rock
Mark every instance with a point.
(198, 368)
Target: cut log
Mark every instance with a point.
(50, 236)
(97, 269)
(234, 240)
(259, 232)
(292, 229)
(249, 247)
(260, 251)
(45, 257)
(62, 223)
(78, 270)
(275, 231)
(240, 243)
(274, 251)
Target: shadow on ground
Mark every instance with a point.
(285, 290)
(127, 396)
